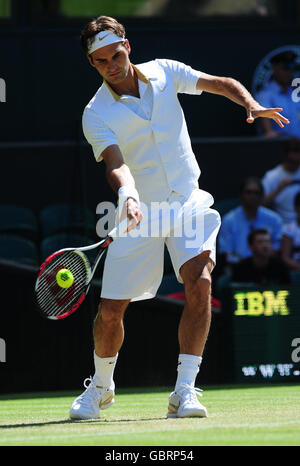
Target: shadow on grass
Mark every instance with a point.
(76, 392)
(78, 421)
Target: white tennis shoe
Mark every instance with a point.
(184, 403)
(91, 401)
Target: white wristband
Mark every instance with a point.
(128, 191)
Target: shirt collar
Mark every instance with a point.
(146, 72)
(140, 76)
(113, 94)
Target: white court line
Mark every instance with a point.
(103, 434)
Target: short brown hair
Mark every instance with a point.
(102, 23)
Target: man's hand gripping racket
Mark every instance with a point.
(54, 300)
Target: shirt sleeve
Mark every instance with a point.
(97, 133)
(184, 76)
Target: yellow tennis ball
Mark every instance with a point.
(64, 278)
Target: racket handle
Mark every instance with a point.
(119, 230)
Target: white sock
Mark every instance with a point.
(187, 369)
(104, 371)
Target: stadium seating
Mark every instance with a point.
(59, 218)
(65, 240)
(18, 249)
(18, 220)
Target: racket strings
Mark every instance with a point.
(54, 300)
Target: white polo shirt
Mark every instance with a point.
(143, 105)
(150, 131)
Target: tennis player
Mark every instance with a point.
(136, 125)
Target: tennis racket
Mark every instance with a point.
(56, 302)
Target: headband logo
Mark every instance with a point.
(106, 38)
(101, 38)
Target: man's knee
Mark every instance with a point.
(111, 310)
(197, 271)
(197, 282)
(200, 288)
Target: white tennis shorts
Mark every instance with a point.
(135, 262)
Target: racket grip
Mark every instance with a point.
(119, 230)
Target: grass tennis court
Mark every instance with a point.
(264, 415)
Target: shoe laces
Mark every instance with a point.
(190, 391)
(91, 383)
(92, 391)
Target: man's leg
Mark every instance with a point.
(108, 327)
(108, 338)
(108, 334)
(196, 317)
(192, 334)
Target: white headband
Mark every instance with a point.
(102, 39)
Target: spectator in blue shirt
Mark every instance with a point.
(279, 91)
(250, 215)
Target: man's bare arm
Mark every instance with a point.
(235, 91)
(119, 176)
(117, 172)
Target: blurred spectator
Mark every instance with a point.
(282, 183)
(291, 240)
(278, 93)
(262, 268)
(239, 222)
